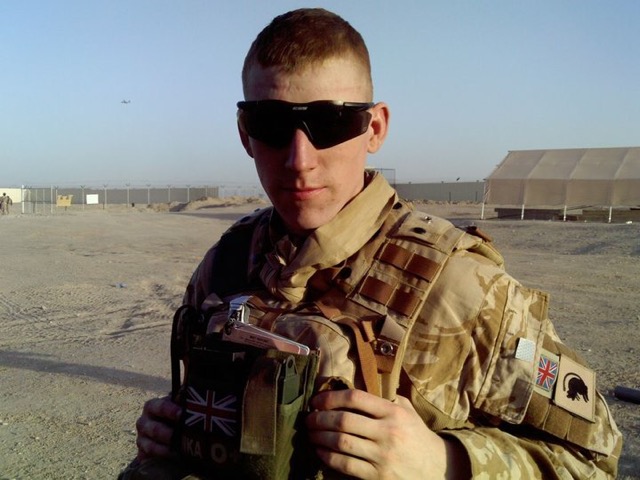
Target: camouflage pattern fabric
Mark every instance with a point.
(463, 372)
(463, 368)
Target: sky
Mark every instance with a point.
(466, 82)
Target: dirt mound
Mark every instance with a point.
(210, 202)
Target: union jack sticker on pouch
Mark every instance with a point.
(214, 414)
(546, 373)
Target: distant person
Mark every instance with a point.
(433, 361)
(5, 203)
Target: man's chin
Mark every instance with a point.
(305, 222)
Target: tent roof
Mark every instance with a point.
(587, 176)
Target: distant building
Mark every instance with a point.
(566, 179)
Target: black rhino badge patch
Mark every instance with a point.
(576, 388)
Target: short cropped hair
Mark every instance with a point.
(303, 37)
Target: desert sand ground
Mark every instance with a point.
(87, 296)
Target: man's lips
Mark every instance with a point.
(303, 193)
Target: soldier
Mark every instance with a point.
(484, 385)
(5, 203)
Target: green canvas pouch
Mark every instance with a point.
(242, 406)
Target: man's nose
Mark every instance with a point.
(302, 154)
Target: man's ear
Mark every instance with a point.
(244, 138)
(380, 125)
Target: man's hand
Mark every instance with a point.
(368, 437)
(155, 427)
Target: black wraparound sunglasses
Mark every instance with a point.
(325, 122)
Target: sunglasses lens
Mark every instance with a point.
(325, 123)
(331, 125)
(273, 126)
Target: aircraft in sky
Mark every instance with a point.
(125, 101)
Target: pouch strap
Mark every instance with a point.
(180, 329)
(258, 434)
(366, 357)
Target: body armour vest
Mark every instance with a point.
(357, 314)
(355, 319)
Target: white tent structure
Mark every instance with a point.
(566, 178)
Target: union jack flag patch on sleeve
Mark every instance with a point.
(546, 373)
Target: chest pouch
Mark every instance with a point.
(242, 404)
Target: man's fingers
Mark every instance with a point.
(155, 427)
(162, 408)
(348, 465)
(351, 444)
(341, 421)
(155, 430)
(352, 399)
(147, 448)
(362, 435)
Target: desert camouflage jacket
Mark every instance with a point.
(482, 364)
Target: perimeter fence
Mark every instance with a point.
(41, 199)
(46, 199)
(442, 191)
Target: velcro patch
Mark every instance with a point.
(576, 389)
(525, 350)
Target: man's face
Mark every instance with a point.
(309, 186)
